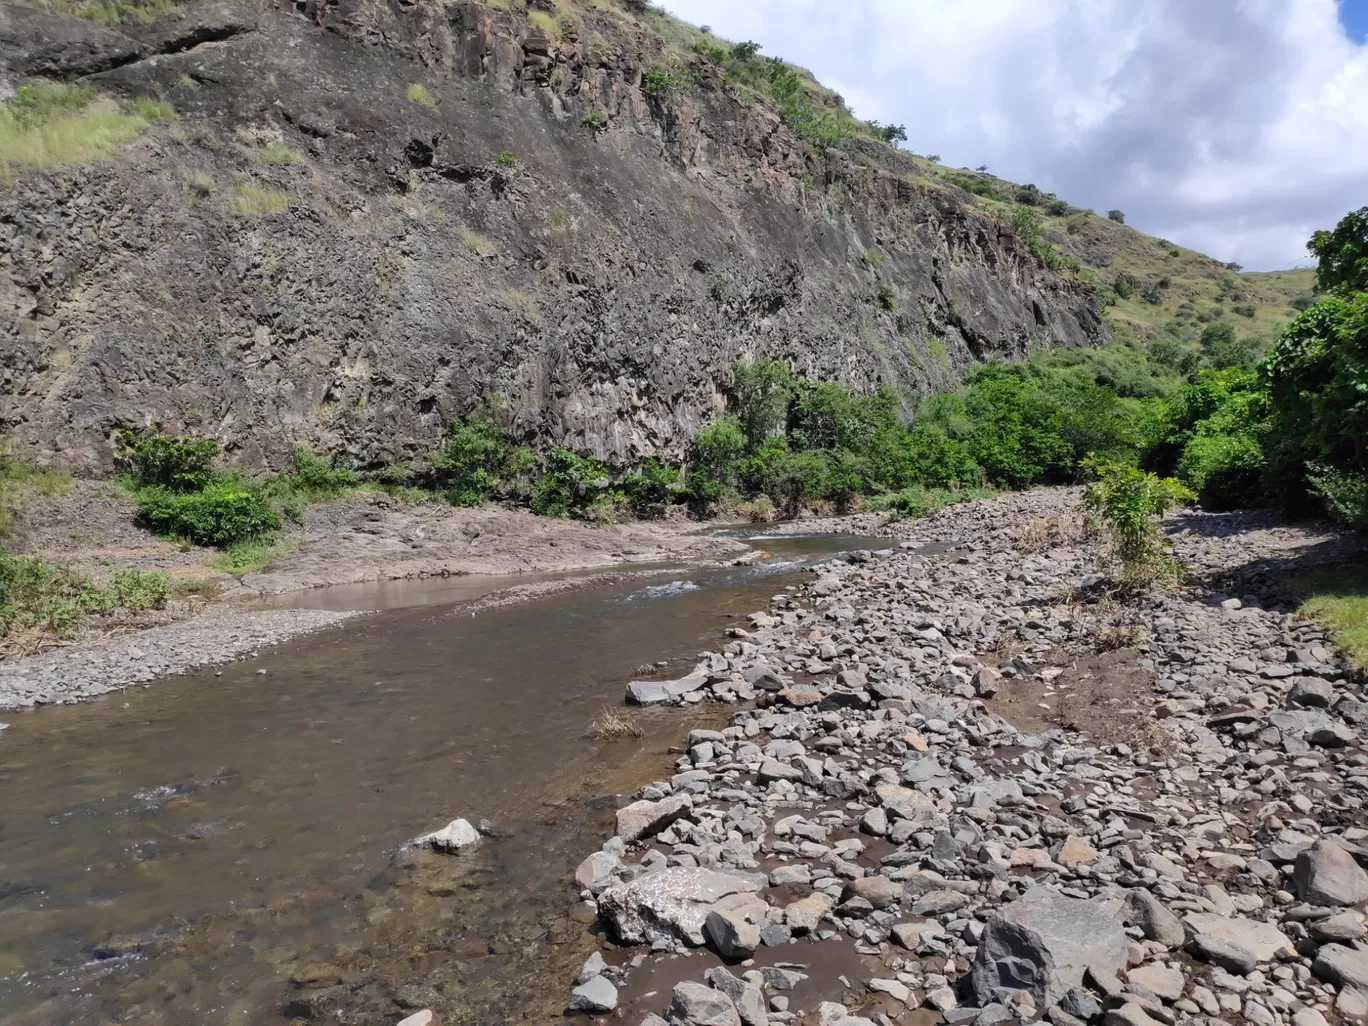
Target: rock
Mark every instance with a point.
(1262, 940)
(1346, 926)
(693, 1004)
(874, 821)
(1153, 917)
(987, 682)
(1230, 956)
(910, 935)
(1075, 851)
(644, 818)
(1043, 942)
(1308, 1017)
(1160, 980)
(1342, 965)
(1311, 693)
(942, 999)
(733, 925)
(1129, 1014)
(597, 871)
(648, 692)
(938, 903)
(452, 838)
(879, 891)
(670, 903)
(597, 995)
(804, 915)
(772, 770)
(593, 966)
(748, 998)
(801, 697)
(1326, 874)
(894, 989)
(424, 1018)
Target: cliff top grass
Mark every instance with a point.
(54, 123)
(106, 12)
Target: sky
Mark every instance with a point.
(1234, 127)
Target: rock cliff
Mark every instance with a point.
(368, 214)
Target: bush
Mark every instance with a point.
(1117, 216)
(717, 453)
(792, 479)
(153, 459)
(219, 515)
(570, 484)
(314, 478)
(888, 298)
(37, 597)
(1128, 501)
(651, 490)
(918, 501)
(1225, 470)
(480, 461)
(506, 159)
(1345, 495)
(760, 391)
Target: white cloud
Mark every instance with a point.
(1236, 127)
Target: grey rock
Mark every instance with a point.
(1043, 942)
(1151, 915)
(670, 903)
(1262, 940)
(732, 925)
(593, 966)
(748, 998)
(693, 1004)
(648, 692)
(1342, 965)
(598, 995)
(1157, 979)
(1227, 954)
(879, 891)
(453, 838)
(644, 818)
(1326, 874)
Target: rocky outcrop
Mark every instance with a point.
(326, 248)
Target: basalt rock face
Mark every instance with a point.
(325, 248)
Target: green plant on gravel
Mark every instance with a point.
(41, 603)
(1128, 501)
(920, 501)
(220, 514)
(250, 555)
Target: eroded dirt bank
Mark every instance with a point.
(974, 787)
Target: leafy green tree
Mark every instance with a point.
(1223, 349)
(154, 459)
(479, 460)
(652, 489)
(760, 391)
(1342, 255)
(792, 479)
(1117, 216)
(570, 483)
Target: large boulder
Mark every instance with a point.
(671, 904)
(35, 43)
(733, 925)
(1043, 943)
(1262, 940)
(1155, 919)
(646, 818)
(1326, 874)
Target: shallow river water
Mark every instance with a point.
(225, 848)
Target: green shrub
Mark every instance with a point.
(716, 458)
(1345, 495)
(506, 159)
(1117, 216)
(49, 601)
(1225, 470)
(918, 501)
(792, 479)
(219, 515)
(155, 459)
(888, 297)
(658, 81)
(480, 461)
(651, 490)
(759, 394)
(1128, 501)
(570, 484)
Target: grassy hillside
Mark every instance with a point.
(1151, 288)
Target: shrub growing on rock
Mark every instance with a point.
(154, 459)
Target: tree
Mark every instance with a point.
(760, 392)
(1223, 349)
(891, 134)
(981, 168)
(1117, 216)
(933, 157)
(1342, 254)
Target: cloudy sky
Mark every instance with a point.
(1236, 127)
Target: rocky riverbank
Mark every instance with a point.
(968, 785)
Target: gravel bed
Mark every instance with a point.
(81, 672)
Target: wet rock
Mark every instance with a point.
(694, 1004)
(1043, 942)
(648, 692)
(595, 996)
(748, 998)
(670, 904)
(453, 838)
(733, 925)
(645, 818)
(1326, 874)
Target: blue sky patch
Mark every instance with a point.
(1353, 16)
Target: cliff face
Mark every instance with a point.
(325, 246)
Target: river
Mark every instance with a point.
(224, 848)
